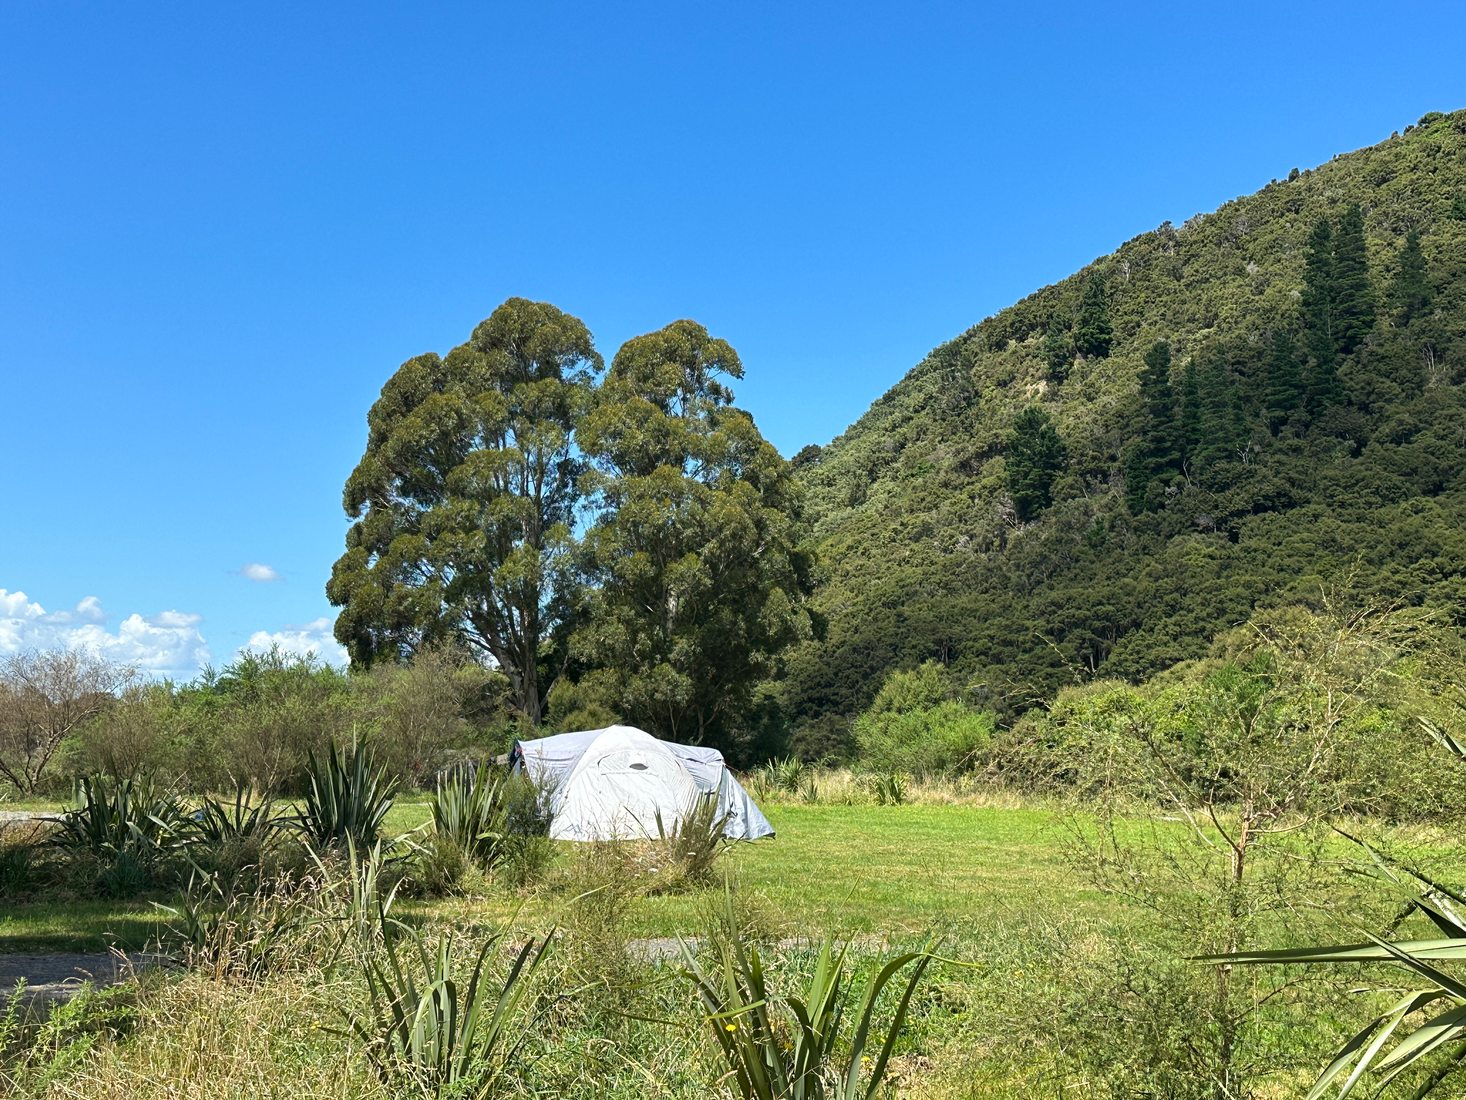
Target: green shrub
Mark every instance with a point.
(469, 813)
(442, 868)
(785, 775)
(143, 732)
(888, 788)
(917, 725)
(421, 711)
(939, 740)
(265, 715)
(498, 823)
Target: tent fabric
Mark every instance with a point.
(612, 784)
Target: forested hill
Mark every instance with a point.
(1243, 410)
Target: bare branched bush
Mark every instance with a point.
(45, 696)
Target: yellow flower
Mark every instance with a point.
(730, 1027)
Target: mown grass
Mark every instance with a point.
(889, 870)
(893, 871)
(78, 925)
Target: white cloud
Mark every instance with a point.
(258, 571)
(166, 644)
(312, 637)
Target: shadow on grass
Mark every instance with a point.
(36, 927)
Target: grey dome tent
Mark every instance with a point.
(612, 783)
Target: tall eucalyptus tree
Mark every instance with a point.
(464, 501)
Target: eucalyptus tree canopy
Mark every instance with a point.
(698, 579)
(465, 498)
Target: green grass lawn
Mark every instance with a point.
(889, 870)
(892, 870)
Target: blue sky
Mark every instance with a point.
(221, 230)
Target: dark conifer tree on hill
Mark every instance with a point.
(1155, 459)
(1223, 426)
(1317, 302)
(1283, 393)
(1190, 412)
(1160, 405)
(1058, 348)
(1035, 456)
(1352, 296)
(1411, 294)
(1321, 382)
(1092, 331)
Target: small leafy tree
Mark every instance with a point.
(1434, 1044)
(1239, 769)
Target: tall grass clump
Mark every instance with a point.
(690, 848)
(348, 798)
(238, 933)
(24, 866)
(782, 775)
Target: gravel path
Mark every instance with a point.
(52, 978)
(57, 969)
(20, 817)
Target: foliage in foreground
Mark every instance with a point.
(429, 1030)
(1436, 1044)
(796, 1047)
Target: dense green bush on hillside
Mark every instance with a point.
(1337, 697)
(1272, 463)
(938, 740)
(916, 726)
